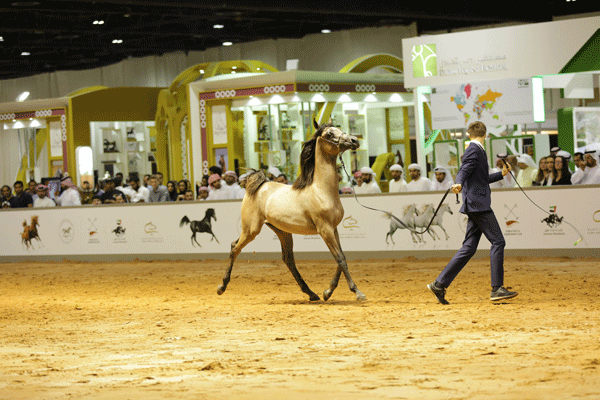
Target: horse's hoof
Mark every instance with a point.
(327, 294)
(220, 290)
(314, 297)
(361, 297)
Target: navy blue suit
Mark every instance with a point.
(475, 180)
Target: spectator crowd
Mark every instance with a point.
(551, 170)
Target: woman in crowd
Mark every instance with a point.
(172, 189)
(562, 175)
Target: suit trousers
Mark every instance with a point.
(478, 223)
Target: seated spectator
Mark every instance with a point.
(443, 179)
(218, 191)
(545, 172)
(566, 156)
(182, 187)
(70, 195)
(6, 193)
(555, 150)
(86, 192)
(96, 200)
(32, 189)
(358, 179)
(527, 170)
(120, 198)
(172, 189)
(187, 196)
(141, 193)
(592, 168)
(110, 192)
(562, 175)
(230, 178)
(43, 200)
(418, 183)
(126, 190)
(21, 199)
(203, 192)
(158, 193)
(5, 204)
(397, 183)
(369, 184)
(580, 165)
(146, 180)
(507, 181)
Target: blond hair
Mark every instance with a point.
(477, 129)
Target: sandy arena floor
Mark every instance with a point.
(157, 330)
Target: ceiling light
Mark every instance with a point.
(325, 31)
(117, 41)
(234, 67)
(218, 26)
(98, 22)
(23, 96)
(227, 43)
(25, 53)
(1, 39)
(202, 71)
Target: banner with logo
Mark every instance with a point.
(495, 54)
(494, 103)
(570, 219)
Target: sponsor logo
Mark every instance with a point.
(596, 216)
(119, 233)
(350, 223)
(424, 59)
(66, 231)
(151, 233)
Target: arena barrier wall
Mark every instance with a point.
(153, 231)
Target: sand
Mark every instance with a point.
(157, 330)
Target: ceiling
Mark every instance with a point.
(46, 36)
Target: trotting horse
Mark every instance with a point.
(201, 226)
(310, 206)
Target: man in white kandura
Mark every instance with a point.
(369, 185)
(70, 195)
(397, 183)
(419, 183)
(219, 191)
(443, 179)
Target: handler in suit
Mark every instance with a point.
(474, 178)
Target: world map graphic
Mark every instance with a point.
(471, 100)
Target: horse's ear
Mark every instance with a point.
(316, 124)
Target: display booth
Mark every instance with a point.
(261, 120)
(33, 139)
(113, 132)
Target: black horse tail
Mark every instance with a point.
(254, 181)
(184, 220)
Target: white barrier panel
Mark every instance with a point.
(155, 229)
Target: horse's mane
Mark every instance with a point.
(307, 160)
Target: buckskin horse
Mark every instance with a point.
(310, 206)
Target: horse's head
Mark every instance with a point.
(210, 213)
(336, 138)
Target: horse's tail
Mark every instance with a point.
(254, 181)
(184, 220)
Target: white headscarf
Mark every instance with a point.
(367, 170)
(446, 183)
(396, 167)
(526, 159)
(593, 153)
(415, 166)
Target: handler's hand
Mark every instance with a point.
(505, 169)
(457, 188)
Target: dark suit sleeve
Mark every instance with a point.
(495, 177)
(468, 166)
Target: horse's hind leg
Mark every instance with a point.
(287, 251)
(332, 239)
(236, 247)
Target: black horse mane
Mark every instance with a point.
(307, 160)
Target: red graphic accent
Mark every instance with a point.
(468, 90)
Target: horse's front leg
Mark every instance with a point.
(331, 237)
(246, 237)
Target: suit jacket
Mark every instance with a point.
(475, 180)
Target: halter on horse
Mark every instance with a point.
(311, 206)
